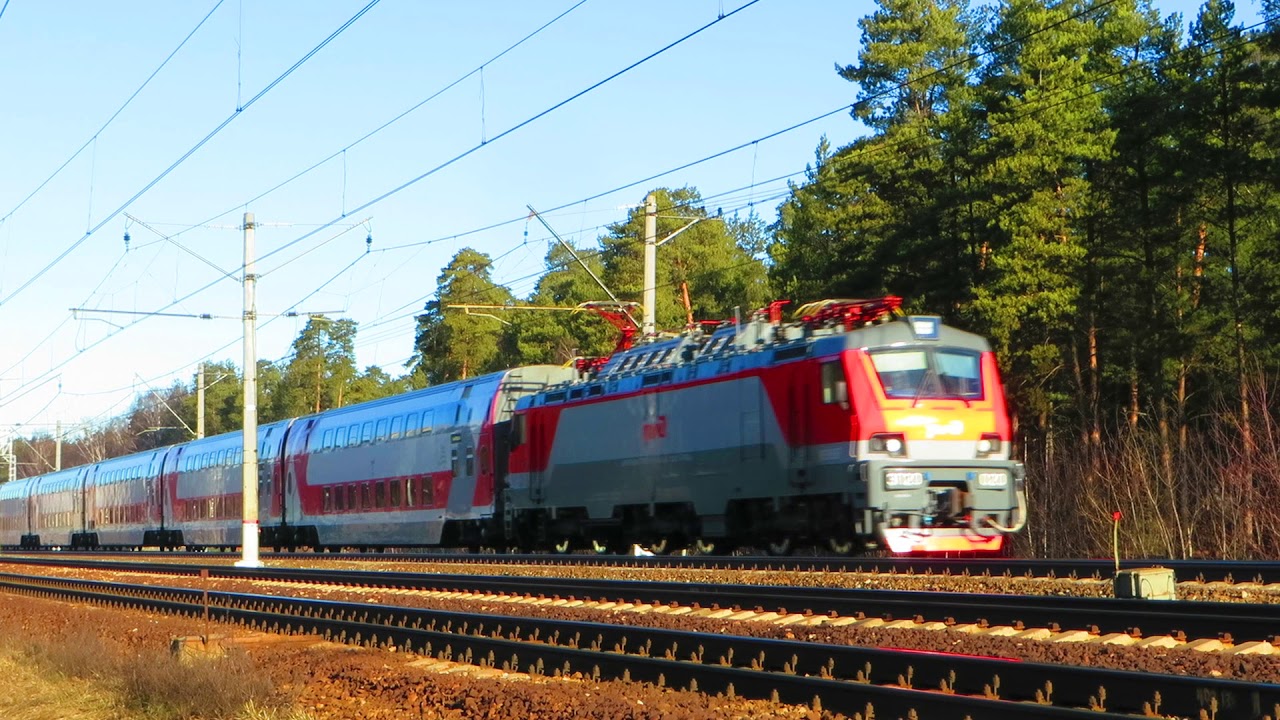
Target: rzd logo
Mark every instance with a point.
(654, 430)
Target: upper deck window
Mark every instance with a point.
(937, 373)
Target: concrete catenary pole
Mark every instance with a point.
(249, 470)
(57, 446)
(200, 401)
(650, 264)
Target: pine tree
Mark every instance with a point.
(449, 344)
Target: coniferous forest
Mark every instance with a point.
(1092, 186)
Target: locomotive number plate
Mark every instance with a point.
(899, 479)
(993, 480)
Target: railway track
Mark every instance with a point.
(843, 679)
(1231, 571)
(1234, 622)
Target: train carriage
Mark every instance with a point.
(16, 509)
(204, 480)
(412, 470)
(123, 506)
(58, 509)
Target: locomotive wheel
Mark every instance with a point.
(563, 547)
(660, 547)
(840, 547)
(779, 547)
(707, 547)
(602, 547)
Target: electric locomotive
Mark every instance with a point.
(853, 426)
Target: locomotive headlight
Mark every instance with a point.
(892, 444)
(989, 444)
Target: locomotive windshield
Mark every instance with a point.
(939, 373)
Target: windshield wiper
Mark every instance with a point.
(924, 383)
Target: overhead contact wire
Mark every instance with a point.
(527, 121)
(231, 118)
(114, 115)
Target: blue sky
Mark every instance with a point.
(68, 66)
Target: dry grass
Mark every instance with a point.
(33, 693)
(79, 674)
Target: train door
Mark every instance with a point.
(168, 487)
(751, 447)
(30, 503)
(653, 431)
(270, 500)
(462, 460)
(799, 412)
(294, 472)
(88, 508)
(154, 499)
(537, 463)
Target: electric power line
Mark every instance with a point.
(114, 115)
(183, 158)
(865, 150)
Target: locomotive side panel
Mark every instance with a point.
(693, 445)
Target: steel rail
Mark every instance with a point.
(1196, 619)
(1232, 571)
(844, 678)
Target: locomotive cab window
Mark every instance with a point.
(937, 373)
(834, 388)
